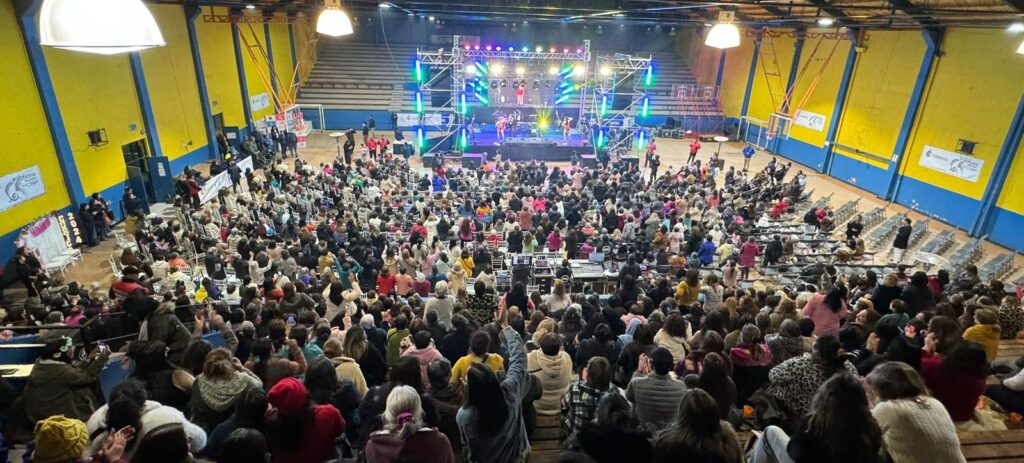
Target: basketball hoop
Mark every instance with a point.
(770, 136)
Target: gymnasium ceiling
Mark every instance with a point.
(899, 14)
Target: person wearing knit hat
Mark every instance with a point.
(296, 429)
(59, 440)
(986, 332)
(58, 387)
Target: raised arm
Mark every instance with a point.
(515, 379)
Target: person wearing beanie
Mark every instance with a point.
(986, 331)
(57, 387)
(296, 429)
(59, 440)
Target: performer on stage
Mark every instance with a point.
(500, 125)
(566, 128)
(521, 93)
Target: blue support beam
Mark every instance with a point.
(840, 105)
(26, 11)
(191, 13)
(242, 84)
(1000, 173)
(145, 104)
(721, 69)
(750, 78)
(295, 59)
(932, 40)
(271, 70)
(794, 68)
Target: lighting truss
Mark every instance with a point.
(773, 33)
(246, 19)
(624, 76)
(583, 55)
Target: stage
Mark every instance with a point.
(546, 145)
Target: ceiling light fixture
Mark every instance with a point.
(431, 18)
(1016, 28)
(104, 27)
(250, 6)
(384, 5)
(1020, 49)
(333, 21)
(725, 34)
(826, 22)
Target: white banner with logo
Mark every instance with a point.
(813, 121)
(220, 181)
(950, 163)
(20, 186)
(258, 102)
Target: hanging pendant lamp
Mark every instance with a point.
(724, 34)
(103, 27)
(333, 21)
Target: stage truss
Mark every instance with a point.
(626, 76)
(450, 118)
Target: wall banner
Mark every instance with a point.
(950, 163)
(20, 186)
(813, 121)
(258, 102)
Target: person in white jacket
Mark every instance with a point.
(128, 407)
(553, 368)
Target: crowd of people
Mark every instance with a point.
(355, 310)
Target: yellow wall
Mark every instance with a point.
(254, 69)
(305, 46)
(282, 56)
(814, 61)
(776, 57)
(973, 93)
(1012, 196)
(883, 79)
(28, 141)
(701, 59)
(216, 47)
(734, 77)
(96, 92)
(173, 91)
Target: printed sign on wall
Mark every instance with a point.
(258, 102)
(950, 163)
(20, 186)
(813, 121)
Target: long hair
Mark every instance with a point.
(355, 343)
(321, 381)
(840, 417)
(289, 431)
(164, 444)
(834, 298)
(485, 395)
(826, 352)
(127, 400)
(403, 412)
(698, 431)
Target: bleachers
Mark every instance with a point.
(361, 76)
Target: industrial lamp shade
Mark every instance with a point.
(1020, 49)
(723, 36)
(333, 22)
(103, 27)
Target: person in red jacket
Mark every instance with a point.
(958, 379)
(385, 282)
(371, 145)
(193, 191)
(297, 430)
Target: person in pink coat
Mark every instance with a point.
(748, 256)
(827, 311)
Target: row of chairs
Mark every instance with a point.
(967, 254)
(885, 229)
(846, 211)
(997, 267)
(940, 243)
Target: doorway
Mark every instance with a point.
(135, 154)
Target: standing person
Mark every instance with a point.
(193, 192)
(694, 149)
(748, 152)
(902, 240)
(350, 145)
(521, 94)
(371, 124)
(366, 133)
(566, 128)
(235, 173)
(491, 422)
(655, 163)
(748, 255)
(293, 143)
(56, 386)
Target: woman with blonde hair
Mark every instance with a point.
(559, 299)
(404, 437)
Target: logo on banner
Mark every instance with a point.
(950, 163)
(258, 102)
(20, 186)
(813, 121)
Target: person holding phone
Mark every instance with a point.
(57, 386)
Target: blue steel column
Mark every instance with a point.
(291, 43)
(241, 75)
(1000, 173)
(794, 68)
(26, 11)
(191, 13)
(932, 40)
(750, 77)
(271, 70)
(840, 105)
(145, 105)
(721, 69)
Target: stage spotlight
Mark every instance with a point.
(476, 47)
(553, 70)
(551, 50)
(467, 47)
(496, 69)
(605, 71)
(431, 18)
(504, 84)
(543, 124)
(536, 84)
(470, 69)
(494, 84)
(488, 48)
(579, 50)
(539, 49)
(511, 48)
(497, 48)
(579, 71)
(565, 50)
(520, 70)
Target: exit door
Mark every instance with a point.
(135, 154)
